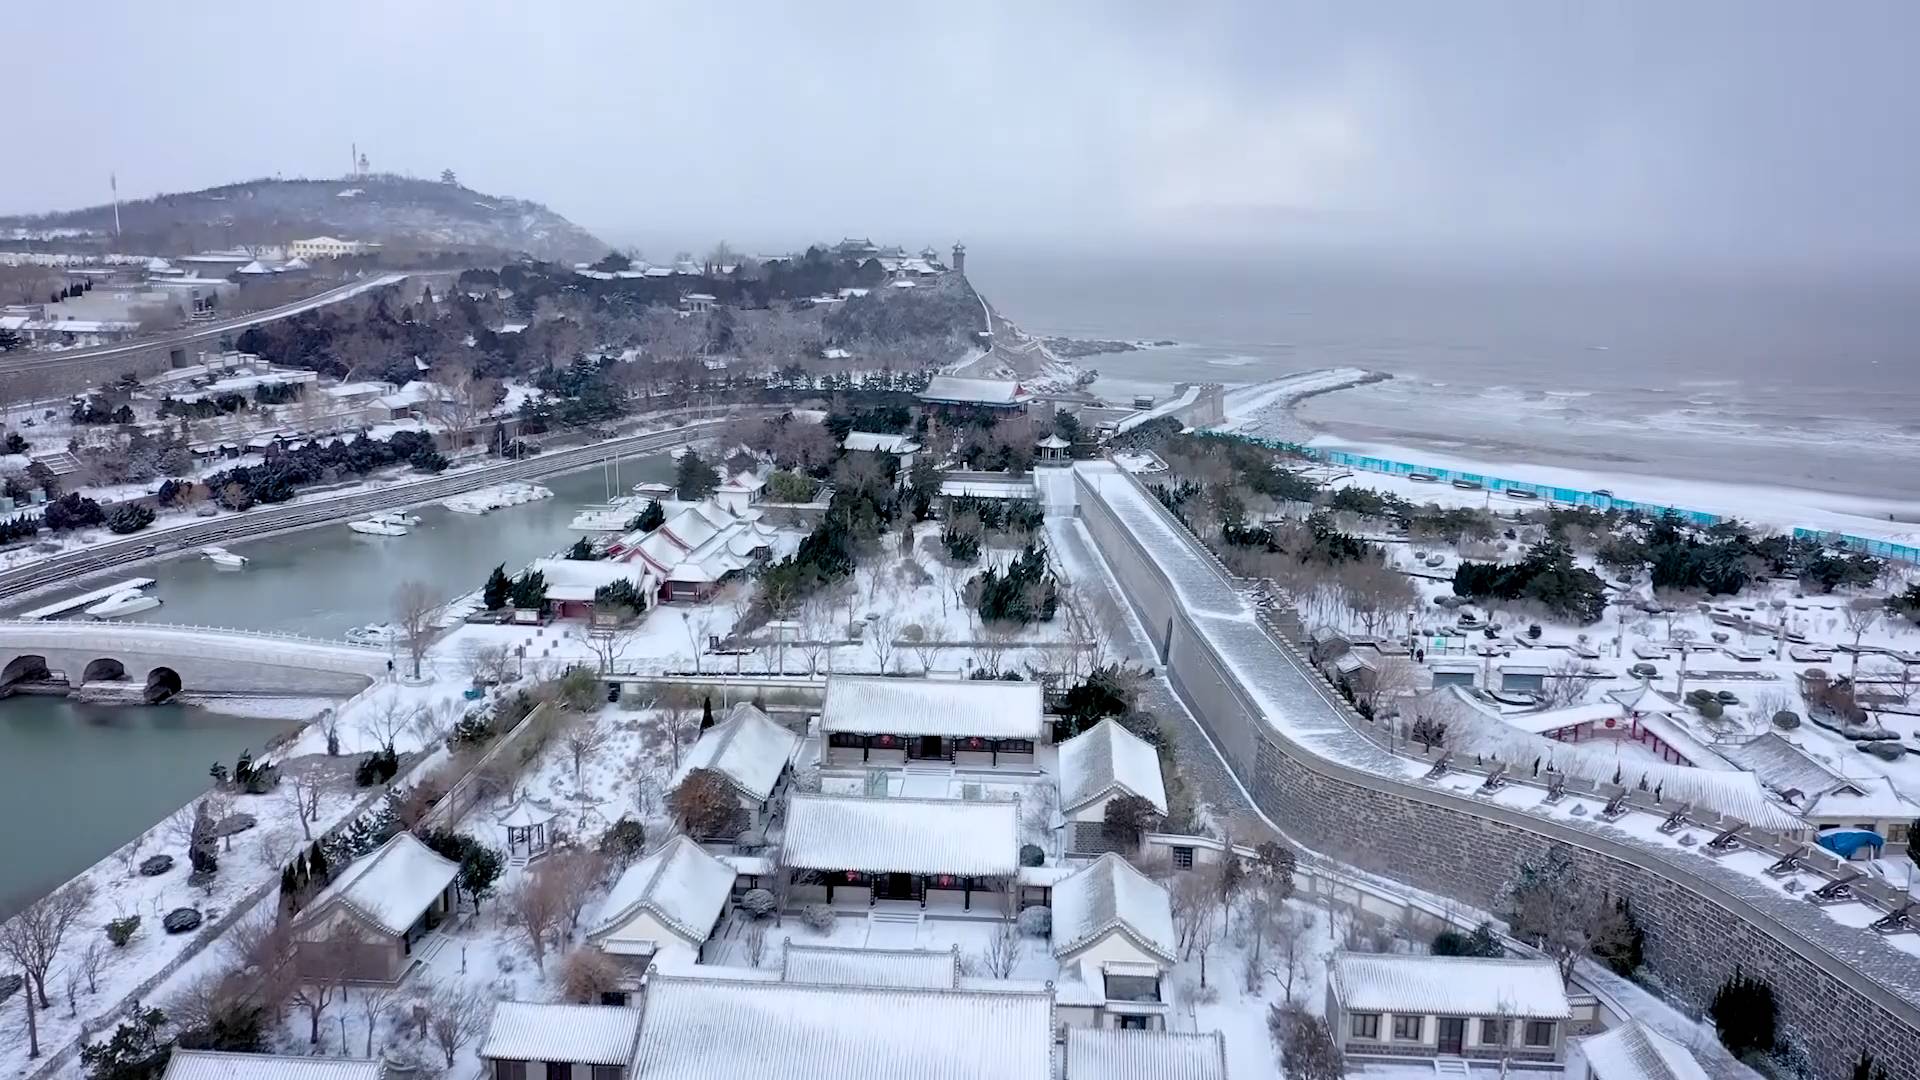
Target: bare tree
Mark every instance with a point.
(488, 662)
(1289, 956)
(1568, 683)
(1002, 952)
(676, 727)
(924, 647)
(881, 629)
(302, 792)
(583, 738)
(996, 638)
(1860, 616)
(414, 607)
(607, 636)
(536, 903)
(375, 1002)
(324, 968)
(577, 874)
(1196, 914)
(456, 1015)
(91, 959)
(31, 939)
(756, 942)
(1394, 677)
(586, 973)
(383, 719)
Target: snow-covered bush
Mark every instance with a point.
(121, 931)
(1032, 855)
(818, 916)
(757, 903)
(1786, 719)
(1036, 921)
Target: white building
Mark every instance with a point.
(1383, 1005)
(226, 1065)
(376, 909)
(325, 247)
(697, 549)
(529, 1041)
(696, 1029)
(1113, 935)
(665, 906)
(1632, 1051)
(1114, 1054)
(857, 851)
(740, 492)
(874, 720)
(901, 447)
(753, 752)
(1871, 804)
(1097, 766)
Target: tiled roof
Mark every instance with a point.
(1109, 895)
(879, 705)
(902, 836)
(582, 1034)
(1456, 985)
(392, 886)
(1116, 1054)
(748, 748)
(220, 1065)
(900, 968)
(1635, 1052)
(1105, 757)
(680, 884)
(699, 1029)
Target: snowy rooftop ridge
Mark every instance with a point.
(679, 884)
(1109, 894)
(902, 836)
(1105, 758)
(227, 1065)
(958, 390)
(1455, 985)
(748, 748)
(1781, 764)
(1634, 1051)
(582, 1034)
(875, 442)
(1116, 1054)
(391, 887)
(900, 968)
(698, 1028)
(875, 704)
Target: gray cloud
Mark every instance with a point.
(1701, 126)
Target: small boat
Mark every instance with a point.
(378, 526)
(466, 504)
(129, 602)
(381, 634)
(1520, 493)
(1466, 485)
(1603, 493)
(397, 517)
(223, 558)
(1423, 478)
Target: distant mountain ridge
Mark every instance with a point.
(395, 211)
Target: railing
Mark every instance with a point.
(78, 628)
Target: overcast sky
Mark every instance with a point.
(1696, 126)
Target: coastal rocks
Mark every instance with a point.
(1073, 348)
(156, 865)
(181, 920)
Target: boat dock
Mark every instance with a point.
(74, 603)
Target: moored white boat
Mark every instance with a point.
(223, 558)
(130, 602)
(377, 527)
(377, 634)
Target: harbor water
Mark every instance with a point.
(92, 777)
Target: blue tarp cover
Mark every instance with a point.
(1845, 842)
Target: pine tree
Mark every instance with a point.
(1744, 1013)
(317, 862)
(706, 713)
(498, 586)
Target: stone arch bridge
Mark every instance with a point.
(106, 659)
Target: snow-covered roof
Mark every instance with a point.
(525, 814)
(679, 884)
(1456, 985)
(1053, 442)
(1547, 720)
(390, 888)
(956, 390)
(1724, 791)
(579, 579)
(989, 489)
(1108, 895)
(1644, 699)
(700, 1028)
(1781, 765)
(744, 481)
(902, 836)
(1118, 1054)
(748, 748)
(876, 442)
(1861, 799)
(581, 1034)
(256, 267)
(413, 393)
(989, 709)
(358, 389)
(1633, 1051)
(901, 968)
(227, 1065)
(1107, 757)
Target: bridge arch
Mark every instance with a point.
(104, 669)
(162, 683)
(27, 667)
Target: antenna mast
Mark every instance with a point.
(113, 181)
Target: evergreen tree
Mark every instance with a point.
(529, 591)
(706, 713)
(1744, 1013)
(694, 478)
(498, 586)
(135, 1052)
(317, 862)
(649, 519)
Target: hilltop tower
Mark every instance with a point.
(959, 258)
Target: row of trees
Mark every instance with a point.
(287, 470)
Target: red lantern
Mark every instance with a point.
(1611, 721)
(946, 881)
(886, 740)
(973, 744)
(853, 876)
